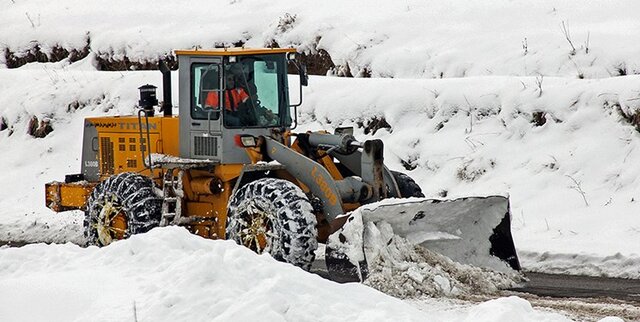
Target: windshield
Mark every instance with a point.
(255, 92)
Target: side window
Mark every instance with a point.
(205, 90)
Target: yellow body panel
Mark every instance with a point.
(61, 196)
(128, 146)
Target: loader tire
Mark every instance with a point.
(120, 206)
(274, 216)
(407, 186)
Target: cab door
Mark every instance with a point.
(200, 121)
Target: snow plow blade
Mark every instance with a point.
(473, 230)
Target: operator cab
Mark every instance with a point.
(231, 91)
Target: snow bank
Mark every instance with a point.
(509, 309)
(415, 38)
(169, 274)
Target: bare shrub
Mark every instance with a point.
(374, 124)
(538, 118)
(39, 128)
(578, 187)
(567, 36)
(34, 53)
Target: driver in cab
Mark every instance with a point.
(233, 96)
(240, 108)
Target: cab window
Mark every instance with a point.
(205, 88)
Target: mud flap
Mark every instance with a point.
(344, 254)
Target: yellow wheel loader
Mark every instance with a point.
(231, 167)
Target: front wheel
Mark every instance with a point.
(274, 216)
(120, 206)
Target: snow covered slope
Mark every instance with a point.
(411, 38)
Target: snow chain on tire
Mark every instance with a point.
(129, 194)
(274, 216)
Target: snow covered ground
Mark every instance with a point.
(204, 280)
(465, 86)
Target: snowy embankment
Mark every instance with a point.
(169, 274)
(414, 38)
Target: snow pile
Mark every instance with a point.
(617, 264)
(169, 274)
(512, 309)
(399, 268)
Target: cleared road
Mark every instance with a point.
(581, 286)
(561, 286)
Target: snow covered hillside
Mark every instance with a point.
(411, 38)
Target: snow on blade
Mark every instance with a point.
(402, 269)
(461, 229)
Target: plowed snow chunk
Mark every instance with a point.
(403, 270)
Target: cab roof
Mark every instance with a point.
(236, 51)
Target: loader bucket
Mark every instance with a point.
(473, 230)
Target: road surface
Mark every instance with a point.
(553, 285)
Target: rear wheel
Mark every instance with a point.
(274, 216)
(120, 206)
(407, 186)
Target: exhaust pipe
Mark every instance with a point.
(166, 88)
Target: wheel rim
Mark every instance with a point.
(257, 231)
(111, 223)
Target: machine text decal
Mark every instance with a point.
(324, 186)
(121, 125)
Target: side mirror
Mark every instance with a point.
(304, 81)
